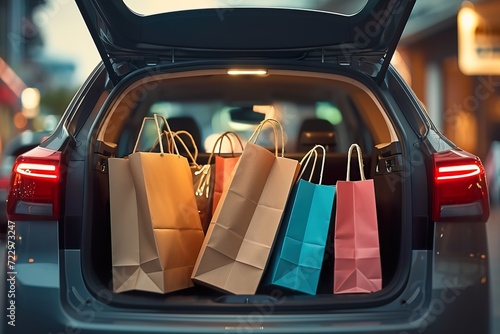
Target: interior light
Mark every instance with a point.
(246, 72)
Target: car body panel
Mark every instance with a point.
(21, 143)
(441, 284)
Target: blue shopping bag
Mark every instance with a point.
(298, 252)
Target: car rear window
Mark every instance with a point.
(151, 7)
(335, 112)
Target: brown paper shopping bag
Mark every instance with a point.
(155, 227)
(203, 177)
(357, 266)
(242, 231)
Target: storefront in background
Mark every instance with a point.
(454, 68)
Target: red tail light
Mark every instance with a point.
(460, 192)
(35, 186)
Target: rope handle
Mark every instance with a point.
(360, 162)
(308, 155)
(274, 123)
(170, 145)
(219, 141)
(203, 187)
(158, 132)
(192, 156)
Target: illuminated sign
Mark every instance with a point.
(479, 38)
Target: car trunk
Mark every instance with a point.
(194, 94)
(197, 47)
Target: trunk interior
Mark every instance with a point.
(203, 103)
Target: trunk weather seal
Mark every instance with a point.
(379, 79)
(83, 6)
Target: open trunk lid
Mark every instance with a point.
(249, 30)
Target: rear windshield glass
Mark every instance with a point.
(333, 113)
(150, 7)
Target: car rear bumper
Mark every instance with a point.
(447, 291)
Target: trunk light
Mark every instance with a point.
(246, 72)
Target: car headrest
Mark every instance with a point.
(188, 124)
(316, 131)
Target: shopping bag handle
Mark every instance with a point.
(170, 145)
(158, 131)
(307, 156)
(360, 162)
(219, 141)
(274, 123)
(203, 185)
(193, 156)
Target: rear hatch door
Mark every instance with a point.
(143, 33)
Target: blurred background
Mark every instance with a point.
(449, 54)
(45, 54)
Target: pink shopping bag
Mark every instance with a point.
(357, 267)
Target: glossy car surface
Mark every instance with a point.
(327, 77)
